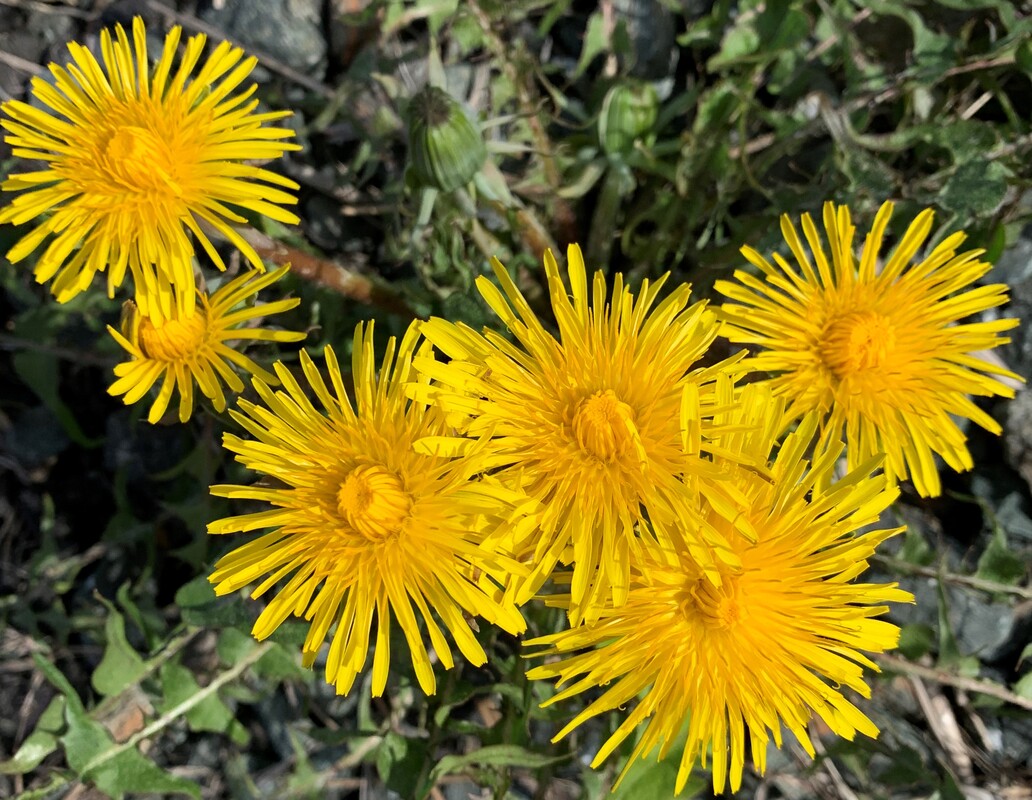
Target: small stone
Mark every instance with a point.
(35, 38)
(993, 631)
(288, 30)
(1017, 434)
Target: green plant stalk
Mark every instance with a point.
(604, 218)
(179, 710)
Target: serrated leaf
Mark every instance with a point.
(87, 747)
(200, 606)
(121, 665)
(130, 771)
(498, 755)
(211, 714)
(281, 664)
(234, 644)
(40, 743)
(94, 756)
(997, 562)
(975, 189)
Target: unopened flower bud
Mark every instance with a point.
(445, 148)
(628, 113)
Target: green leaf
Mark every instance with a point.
(200, 606)
(121, 665)
(583, 181)
(130, 771)
(997, 562)
(442, 13)
(656, 781)
(739, 42)
(916, 641)
(782, 30)
(281, 664)
(915, 549)
(234, 644)
(40, 372)
(975, 189)
(1023, 688)
(498, 755)
(931, 49)
(399, 761)
(211, 714)
(59, 681)
(48, 790)
(715, 110)
(596, 42)
(555, 12)
(93, 754)
(40, 743)
(1023, 56)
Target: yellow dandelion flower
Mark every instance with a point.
(602, 426)
(185, 350)
(878, 349)
(364, 524)
(773, 645)
(137, 158)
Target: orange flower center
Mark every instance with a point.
(176, 339)
(140, 161)
(857, 342)
(717, 607)
(603, 424)
(374, 502)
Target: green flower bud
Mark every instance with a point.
(445, 148)
(628, 113)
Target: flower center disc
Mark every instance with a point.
(716, 606)
(857, 342)
(602, 425)
(175, 339)
(140, 161)
(373, 502)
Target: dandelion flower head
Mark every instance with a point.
(602, 425)
(776, 643)
(364, 525)
(188, 350)
(138, 156)
(880, 350)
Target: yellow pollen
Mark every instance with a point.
(140, 162)
(716, 607)
(857, 342)
(176, 339)
(373, 502)
(603, 425)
